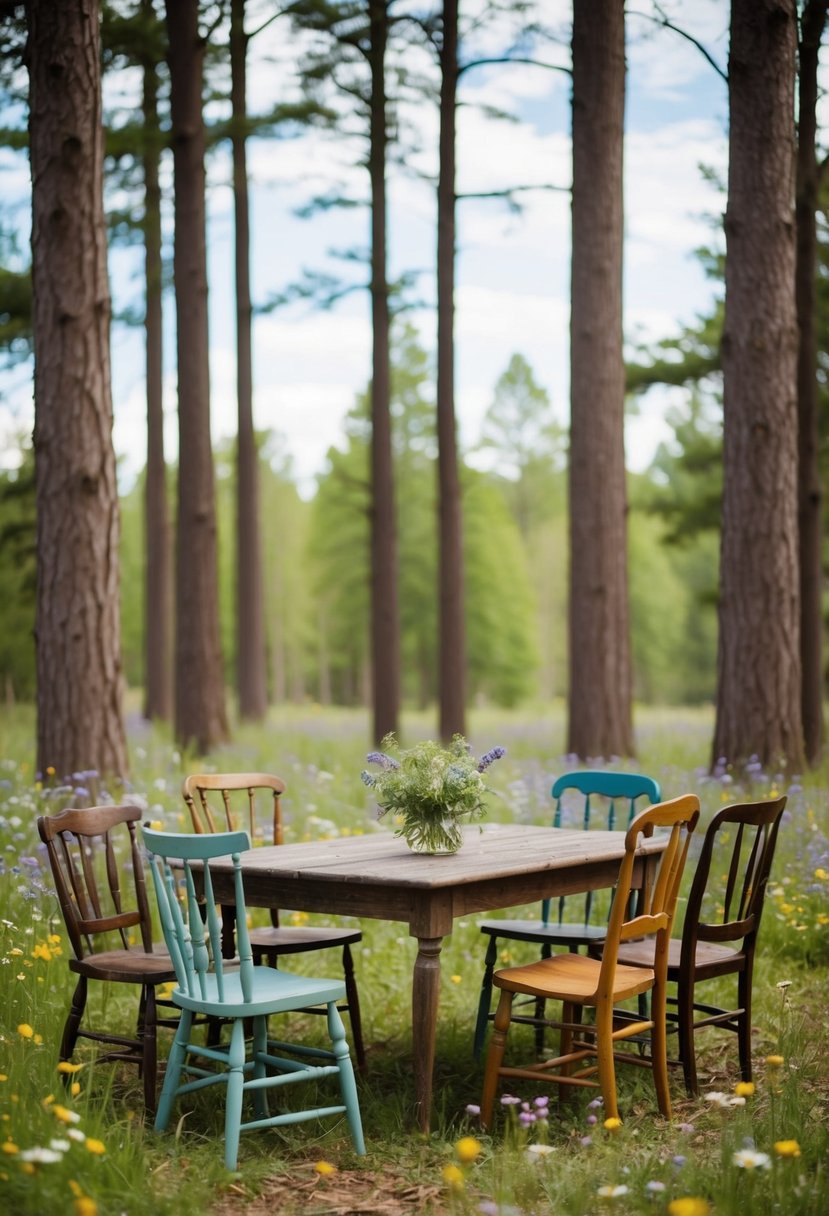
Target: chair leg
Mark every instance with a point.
(659, 1050)
(235, 1093)
(485, 999)
(540, 1007)
(685, 1036)
(260, 1069)
(149, 1047)
(175, 1063)
(744, 984)
(495, 1055)
(353, 1002)
(607, 1065)
(348, 1086)
(73, 1021)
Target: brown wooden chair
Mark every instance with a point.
(578, 981)
(212, 806)
(88, 851)
(719, 934)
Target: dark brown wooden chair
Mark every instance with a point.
(213, 807)
(719, 934)
(89, 850)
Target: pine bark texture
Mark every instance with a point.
(452, 636)
(251, 663)
(79, 676)
(200, 717)
(158, 588)
(759, 685)
(809, 483)
(385, 622)
(599, 695)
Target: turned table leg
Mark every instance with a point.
(425, 993)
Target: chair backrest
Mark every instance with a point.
(725, 902)
(600, 799)
(209, 796)
(193, 934)
(88, 849)
(655, 908)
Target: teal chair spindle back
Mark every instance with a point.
(194, 942)
(620, 792)
(243, 995)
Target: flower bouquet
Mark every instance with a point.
(431, 789)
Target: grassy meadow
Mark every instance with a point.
(78, 1143)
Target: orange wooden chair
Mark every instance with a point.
(101, 918)
(578, 981)
(214, 801)
(719, 933)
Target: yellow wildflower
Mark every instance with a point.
(3, 1076)
(42, 951)
(468, 1149)
(775, 1061)
(53, 939)
(821, 874)
(689, 1205)
(16, 951)
(325, 1167)
(456, 979)
(96, 1146)
(10, 1148)
(25, 1031)
(27, 1167)
(744, 1089)
(65, 1115)
(75, 1088)
(787, 1148)
(612, 1124)
(75, 1188)
(84, 1206)
(68, 1066)
(453, 1177)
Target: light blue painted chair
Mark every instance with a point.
(591, 798)
(245, 993)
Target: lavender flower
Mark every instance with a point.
(490, 757)
(385, 762)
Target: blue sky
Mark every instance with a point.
(513, 272)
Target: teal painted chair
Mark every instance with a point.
(587, 799)
(246, 993)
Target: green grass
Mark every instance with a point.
(320, 753)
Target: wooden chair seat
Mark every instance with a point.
(587, 1053)
(573, 977)
(298, 940)
(212, 801)
(126, 967)
(710, 959)
(539, 933)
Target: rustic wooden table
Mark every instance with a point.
(376, 876)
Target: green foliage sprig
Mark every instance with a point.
(431, 788)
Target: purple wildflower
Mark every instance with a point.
(385, 762)
(368, 779)
(495, 753)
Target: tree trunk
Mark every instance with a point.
(758, 665)
(158, 678)
(810, 487)
(250, 616)
(452, 641)
(385, 625)
(200, 717)
(599, 697)
(79, 678)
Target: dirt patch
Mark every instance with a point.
(342, 1193)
